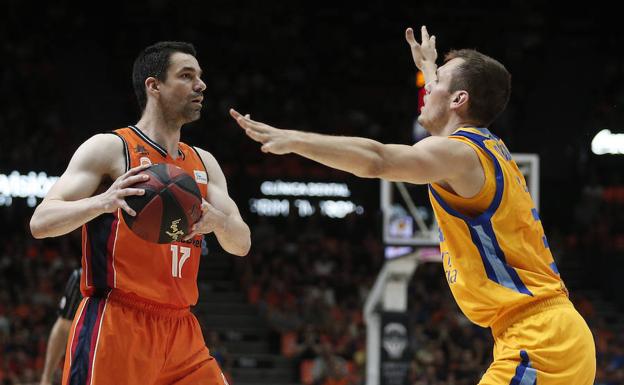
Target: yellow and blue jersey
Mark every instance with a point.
(495, 254)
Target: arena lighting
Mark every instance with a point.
(280, 198)
(30, 186)
(605, 142)
(312, 189)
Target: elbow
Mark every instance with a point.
(241, 248)
(373, 163)
(36, 229)
(372, 169)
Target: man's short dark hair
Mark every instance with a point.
(153, 61)
(487, 82)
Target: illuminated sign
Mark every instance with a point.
(304, 199)
(606, 142)
(30, 186)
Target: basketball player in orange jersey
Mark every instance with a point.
(134, 325)
(495, 254)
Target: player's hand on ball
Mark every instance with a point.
(113, 198)
(212, 219)
(273, 140)
(425, 52)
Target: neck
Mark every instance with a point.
(161, 130)
(452, 125)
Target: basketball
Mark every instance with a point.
(168, 209)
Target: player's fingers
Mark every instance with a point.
(432, 41)
(424, 34)
(240, 119)
(135, 170)
(130, 180)
(235, 114)
(131, 191)
(255, 135)
(266, 148)
(190, 236)
(409, 36)
(126, 208)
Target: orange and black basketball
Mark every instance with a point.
(168, 209)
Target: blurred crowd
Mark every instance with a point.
(33, 275)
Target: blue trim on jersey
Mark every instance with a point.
(484, 238)
(500, 183)
(488, 254)
(98, 231)
(535, 214)
(525, 374)
(480, 227)
(545, 240)
(553, 267)
(80, 361)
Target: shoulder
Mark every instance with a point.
(103, 143)
(452, 147)
(215, 174)
(206, 157)
(104, 152)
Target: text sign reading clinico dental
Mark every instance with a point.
(31, 186)
(280, 198)
(606, 142)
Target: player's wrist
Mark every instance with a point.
(96, 206)
(297, 141)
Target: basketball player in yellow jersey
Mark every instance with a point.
(134, 325)
(495, 254)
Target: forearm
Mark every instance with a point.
(56, 348)
(56, 217)
(429, 71)
(359, 156)
(234, 235)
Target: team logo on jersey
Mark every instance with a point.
(139, 149)
(175, 232)
(145, 161)
(200, 176)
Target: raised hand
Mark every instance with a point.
(273, 140)
(424, 53)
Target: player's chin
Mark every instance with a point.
(193, 115)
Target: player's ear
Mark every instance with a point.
(459, 99)
(152, 84)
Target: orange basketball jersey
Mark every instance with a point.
(113, 257)
(495, 254)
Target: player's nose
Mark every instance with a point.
(200, 86)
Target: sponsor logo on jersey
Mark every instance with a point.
(200, 176)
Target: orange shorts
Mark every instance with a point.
(125, 340)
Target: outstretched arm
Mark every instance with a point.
(432, 159)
